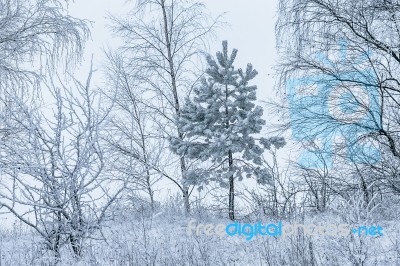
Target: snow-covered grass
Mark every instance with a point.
(137, 237)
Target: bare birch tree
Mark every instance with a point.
(35, 37)
(161, 43)
(132, 133)
(34, 34)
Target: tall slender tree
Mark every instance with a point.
(162, 41)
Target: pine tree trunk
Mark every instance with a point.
(231, 207)
(231, 190)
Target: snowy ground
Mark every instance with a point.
(138, 238)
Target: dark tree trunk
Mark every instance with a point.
(231, 190)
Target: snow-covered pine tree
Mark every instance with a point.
(219, 124)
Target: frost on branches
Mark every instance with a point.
(219, 123)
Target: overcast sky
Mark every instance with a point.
(251, 31)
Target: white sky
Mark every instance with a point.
(251, 31)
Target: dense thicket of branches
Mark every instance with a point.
(36, 34)
(354, 46)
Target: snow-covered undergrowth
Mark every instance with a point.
(137, 237)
